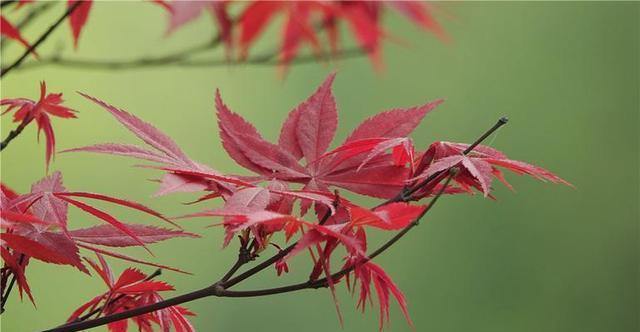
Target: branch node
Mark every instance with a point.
(217, 289)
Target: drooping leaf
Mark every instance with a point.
(8, 30)
(78, 17)
(108, 235)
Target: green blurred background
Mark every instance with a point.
(547, 258)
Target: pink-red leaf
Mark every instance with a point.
(144, 131)
(8, 30)
(78, 17)
(108, 235)
(393, 123)
(128, 258)
(48, 247)
(104, 216)
(317, 122)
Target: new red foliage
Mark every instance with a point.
(35, 225)
(377, 159)
(130, 290)
(28, 110)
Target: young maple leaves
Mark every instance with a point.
(377, 159)
(28, 110)
(308, 132)
(131, 290)
(35, 226)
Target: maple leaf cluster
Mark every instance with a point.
(303, 22)
(131, 290)
(35, 225)
(28, 110)
(299, 174)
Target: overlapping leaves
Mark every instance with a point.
(28, 110)
(132, 289)
(312, 23)
(377, 159)
(35, 226)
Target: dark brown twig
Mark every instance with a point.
(13, 134)
(43, 37)
(100, 309)
(181, 59)
(29, 18)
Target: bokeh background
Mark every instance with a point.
(547, 258)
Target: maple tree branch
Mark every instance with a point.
(144, 62)
(180, 59)
(13, 134)
(5, 296)
(43, 37)
(265, 264)
(323, 282)
(406, 194)
(244, 257)
(88, 315)
(28, 19)
(221, 288)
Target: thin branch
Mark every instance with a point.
(99, 309)
(28, 19)
(335, 276)
(13, 134)
(180, 59)
(265, 264)
(244, 256)
(406, 194)
(220, 288)
(40, 40)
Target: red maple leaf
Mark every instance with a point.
(308, 132)
(35, 225)
(28, 110)
(8, 30)
(377, 159)
(78, 18)
(133, 289)
(477, 169)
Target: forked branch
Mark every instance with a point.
(221, 288)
